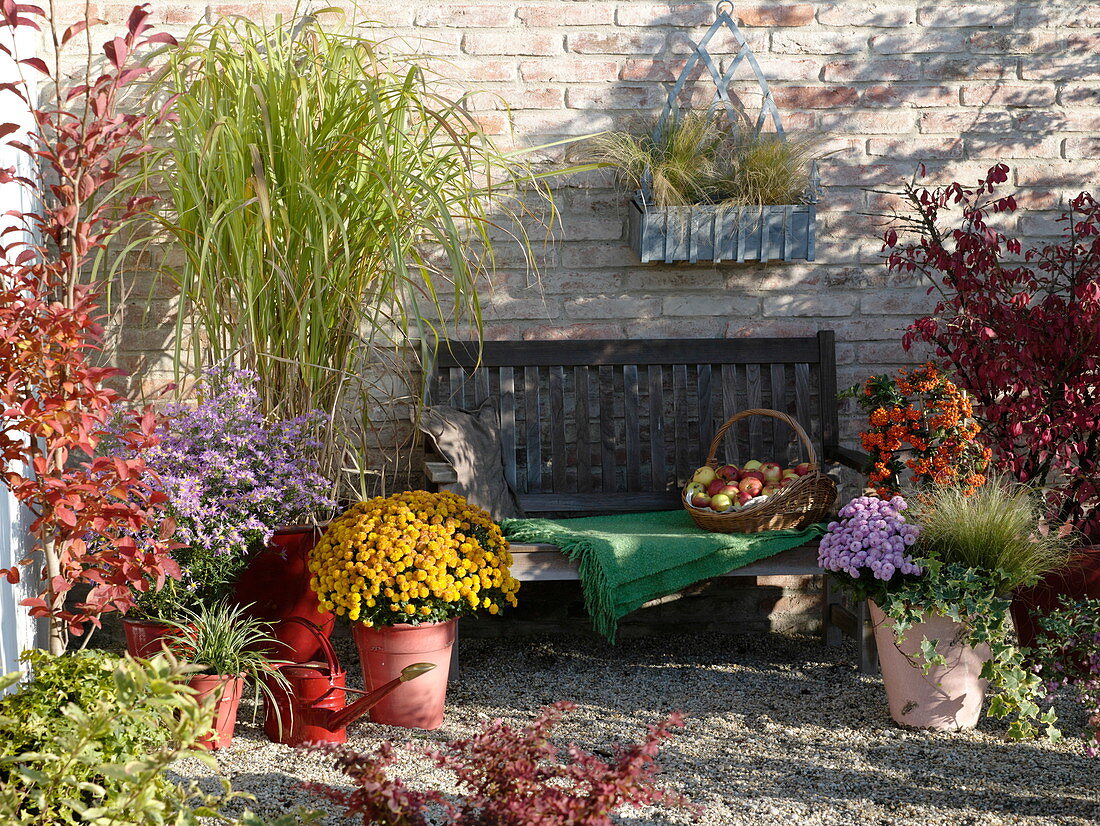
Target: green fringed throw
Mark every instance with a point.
(626, 560)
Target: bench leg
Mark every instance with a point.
(868, 653)
(453, 675)
(834, 634)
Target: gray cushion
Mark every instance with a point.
(470, 441)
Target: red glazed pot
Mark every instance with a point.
(1080, 579)
(276, 584)
(144, 638)
(385, 651)
(228, 690)
(947, 698)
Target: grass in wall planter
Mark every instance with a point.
(705, 192)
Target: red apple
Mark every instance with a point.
(731, 490)
(772, 472)
(787, 480)
(715, 486)
(727, 472)
(743, 497)
(789, 472)
(704, 475)
(751, 464)
(700, 500)
(693, 488)
(751, 486)
(752, 474)
(721, 502)
(802, 469)
(768, 490)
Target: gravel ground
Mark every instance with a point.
(780, 730)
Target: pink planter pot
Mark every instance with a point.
(384, 652)
(145, 638)
(1079, 579)
(228, 690)
(946, 698)
(276, 585)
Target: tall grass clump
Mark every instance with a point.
(697, 158)
(997, 528)
(331, 206)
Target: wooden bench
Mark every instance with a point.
(590, 427)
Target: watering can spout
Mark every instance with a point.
(354, 711)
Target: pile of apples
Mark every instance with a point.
(729, 488)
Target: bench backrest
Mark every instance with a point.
(603, 426)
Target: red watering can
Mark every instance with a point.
(310, 707)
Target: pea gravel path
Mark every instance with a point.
(780, 730)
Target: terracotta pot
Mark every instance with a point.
(229, 690)
(1078, 580)
(144, 638)
(384, 652)
(947, 698)
(276, 584)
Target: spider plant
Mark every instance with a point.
(225, 640)
(696, 158)
(332, 205)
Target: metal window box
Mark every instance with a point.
(705, 232)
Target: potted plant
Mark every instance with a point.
(229, 645)
(235, 481)
(403, 569)
(709, 190)
(940, 595)
(1068, 654)
(1018, 326)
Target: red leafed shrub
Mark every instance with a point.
(1021, 331)
(54, 407)
(509, 777)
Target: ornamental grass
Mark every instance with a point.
(413, 557)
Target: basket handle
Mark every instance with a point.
(326, 646)
(716, 442)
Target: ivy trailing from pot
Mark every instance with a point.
(1068, 653)
(940, 593)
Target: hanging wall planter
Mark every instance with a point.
(716, 231)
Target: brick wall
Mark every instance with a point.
(892, 84)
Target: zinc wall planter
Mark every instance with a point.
(706, 232)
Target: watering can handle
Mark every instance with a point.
(330, 653)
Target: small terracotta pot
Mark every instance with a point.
(229, 690)
(946, 698)
(144, 638)
(276, 585)
(385, 651)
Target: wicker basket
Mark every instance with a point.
(801, 503)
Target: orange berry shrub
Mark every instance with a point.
(922, 422)
(413, 557)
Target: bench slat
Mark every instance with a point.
(682, 443)
(532, 428)
(508, 424)
(632, 427)
(584, 425)
(706, 410)
(781, 434)
(658, 473)
(608, 440)
(598, 502)
(755, 399)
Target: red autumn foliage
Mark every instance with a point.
(509, 777)
(54, 406)
(1021, 331)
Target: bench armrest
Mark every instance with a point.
(855, 459)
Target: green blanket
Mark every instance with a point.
(628, 559)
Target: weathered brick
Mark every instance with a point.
(956, 15)
(957, 122)
(507, 307)
(816, 42)
(1083, 147)
(995, 94)
(878, 15)
(465, 15)
(1012, 42)
(1055, 68)
(936, 42)
(574, 14)
(868, 122)
(710, 305)
(895, 95)
(508, 43)
(1056, 174)
(615, 97)
(873, 70)
(650, 69)
(519, 99)
(801, 14)
(615, 43)
(916, 148)
(569, 332)
(1079, 94)
(912, 303)
(814, 97)
(1050, 15)
(824, 304)
(568, 69)
(486, 70)
(664, 14)
(864, 174)
(939, 67)
(786, 68)
(620, 306)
